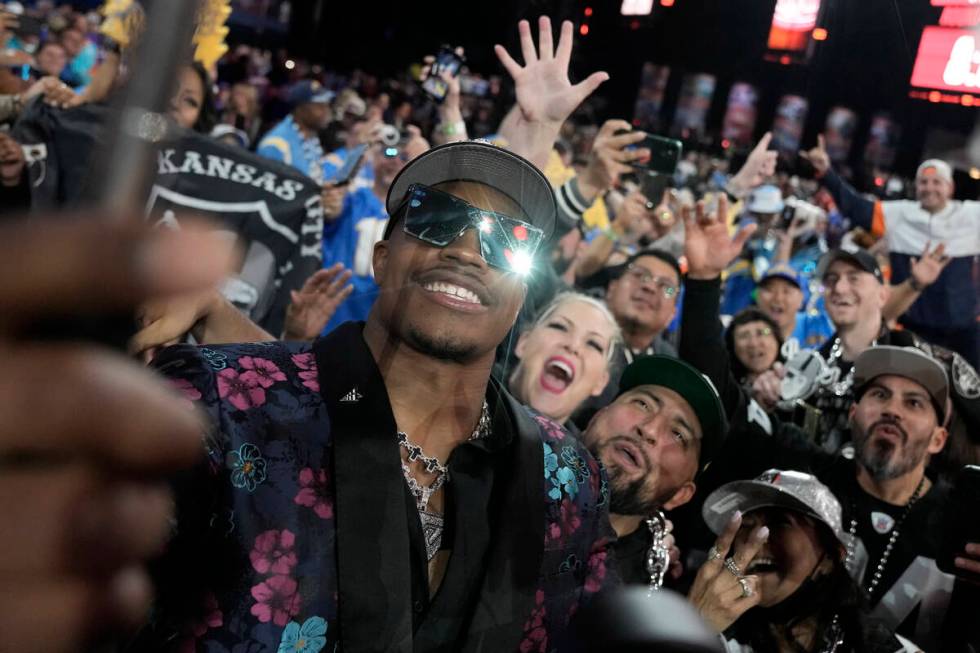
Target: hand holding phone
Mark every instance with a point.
(28, 27)
(347, 171)
(610, 158)
(447, 63)
(654, 187)
(959, 551)
(665, 154)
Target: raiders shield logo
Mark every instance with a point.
(881, 522)
(965, 378)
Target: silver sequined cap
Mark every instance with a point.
(775, 488)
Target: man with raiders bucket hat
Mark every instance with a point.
(777, 575)
(897, 422)
(377, 489)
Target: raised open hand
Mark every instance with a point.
(544, 93)
(315, 303)
(927, 268)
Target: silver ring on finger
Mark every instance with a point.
(713, 554)
(733, 568)
(746, 588)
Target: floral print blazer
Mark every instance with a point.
(292, 536)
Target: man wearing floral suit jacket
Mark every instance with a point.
(378, 490)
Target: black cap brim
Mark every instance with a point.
(482, 163)
(690, 384)
(861, 259)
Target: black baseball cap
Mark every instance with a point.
(861, 258)
(696, 389)
(487, 164)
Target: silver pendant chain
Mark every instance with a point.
(658, 557)
(835, 635)
(841, 388)
(893, 538)
(432, 523)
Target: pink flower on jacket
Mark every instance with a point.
(276, 600)
(211, 617)
(260, 370)
(273, 552)
(568, 521)
(535, 634)
(315, 492)
(241, 392)
(186, 388)
(307, 365)
(552, 428)
(597, 572)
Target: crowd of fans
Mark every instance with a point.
(775, 373)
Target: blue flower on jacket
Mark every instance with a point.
(564, 479)
(550, 460)
(215, 359)
(247, 467)
(574, 460)
(561, 477)
(308, 638)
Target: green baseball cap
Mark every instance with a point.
(696, 389)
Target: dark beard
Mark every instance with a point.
(443, 348)
(889, 462)
(626, 497)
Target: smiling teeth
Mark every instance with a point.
(758, 562)
(564, 367)
(455, 291)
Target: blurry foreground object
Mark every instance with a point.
(634, 619)
(270, 209)
(209, 37)
(124, 21)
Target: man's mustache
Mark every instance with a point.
(892, 423)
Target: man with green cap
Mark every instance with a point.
(652, 439)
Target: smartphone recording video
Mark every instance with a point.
(957, 532)
(665, 154)
(28, 27)
(447, 60)
(653, 185)
(351, 165)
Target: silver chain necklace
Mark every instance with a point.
(841, 388)
(835, 635)
(893, 538)
(432, 523)
(658, 557)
